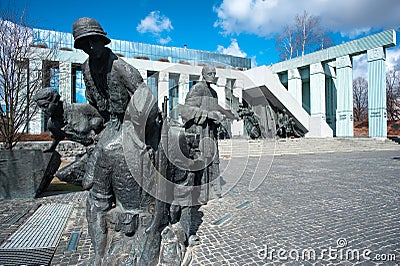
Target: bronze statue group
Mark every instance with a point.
(146, 174)
(142, 201)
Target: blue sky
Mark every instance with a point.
(238, 27)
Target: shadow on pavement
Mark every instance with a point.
(58, 187)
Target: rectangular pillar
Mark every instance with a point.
(35, 77)
(221, 89)
(237, 125)
(65, 84)
(344, 82)
(183, 89)
(331, 96)
(225, 94)
(143, 73)
(295, 85)
(163, 88)
(318, 126)
(317, 90)
(377, 117)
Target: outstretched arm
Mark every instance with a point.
(53, 146)
(56, 134)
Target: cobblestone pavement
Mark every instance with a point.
(342, 202)
(319, 209)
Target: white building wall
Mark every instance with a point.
(66, 81)
(35, 125)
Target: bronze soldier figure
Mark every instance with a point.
(118, 209)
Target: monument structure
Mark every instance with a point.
(251, 122)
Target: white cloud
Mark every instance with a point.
(81, 95)
(360, 63)
(360, 66)
(356, 32)
(232, 49)
(154, 23)
(254, 62)
(164, 41)
(393, 58)
(267, 17)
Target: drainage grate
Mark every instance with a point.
(223, 219)
(73, 241)
(244, 204)
(233, 192)
(41, 256)
(15, 218)
(37, 237)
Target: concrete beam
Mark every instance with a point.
(384, 39)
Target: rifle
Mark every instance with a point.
(161, 174)
(164, 108)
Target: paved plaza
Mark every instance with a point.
(331, 208)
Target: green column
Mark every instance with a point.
(331, 96)
(344, 86)
(377, 118)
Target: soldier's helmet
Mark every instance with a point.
(84, 27)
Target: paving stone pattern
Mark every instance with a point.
(308, 202)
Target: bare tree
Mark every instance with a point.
(20, 75)
(360, 102)
(305, 35)
(393, 94)
(285, 43)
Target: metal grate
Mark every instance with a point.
(15, 218)
(37, 237)
(73, 241)
(41, 256)
(244, 204)
(223, 219)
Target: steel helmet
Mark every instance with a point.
(84, 27)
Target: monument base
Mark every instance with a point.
(26, 173)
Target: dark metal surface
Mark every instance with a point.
(36, 240)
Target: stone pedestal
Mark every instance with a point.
(26, 173)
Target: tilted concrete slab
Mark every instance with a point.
(262, 83)
(266, 85)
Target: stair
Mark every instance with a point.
(246, 148)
